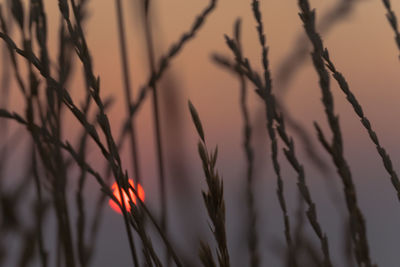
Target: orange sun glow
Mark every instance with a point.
(115, 191)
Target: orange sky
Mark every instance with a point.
(361, 46)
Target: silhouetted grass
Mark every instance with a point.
(43, 84)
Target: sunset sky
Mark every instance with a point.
(362, 47)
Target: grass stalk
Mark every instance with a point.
(43, 254)
(270, 114)
(213, 198)
(335, 148)
(252, 241)
(127, 91)
(289, 151)
(156, 116)
(392, 19)
(343, 85)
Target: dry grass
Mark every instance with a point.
(51, 159)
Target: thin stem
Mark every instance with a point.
(335, 147)
(249, 153)
(392, 19)
(128, 95)
(156, 119)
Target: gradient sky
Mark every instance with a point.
(362, 47)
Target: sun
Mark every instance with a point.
(115, 191)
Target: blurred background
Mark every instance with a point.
(361, 43)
